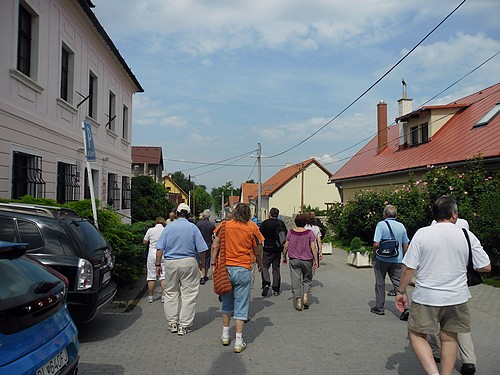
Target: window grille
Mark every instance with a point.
(27, 176)
(68, 189)
(126, 193)
(113, 191)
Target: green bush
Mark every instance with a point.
(476, 190)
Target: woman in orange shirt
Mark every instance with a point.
(243, 243)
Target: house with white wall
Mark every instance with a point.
(294, 188)
(59, 68)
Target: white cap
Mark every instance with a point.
(183, 207)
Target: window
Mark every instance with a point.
(86, 192)
(27, 176)
(7, 230)
(487, 118)
(112, 111)
(24, 41)
(126, 193)
(419, 134)
(92, 96)
(68, 189)
(125, 122)
(30, 233)
(67, 61)
(113, 191)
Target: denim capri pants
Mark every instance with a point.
(238, 300)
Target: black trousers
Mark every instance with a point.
(271, 258)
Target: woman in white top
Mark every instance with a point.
(152, 236)
(317, 233)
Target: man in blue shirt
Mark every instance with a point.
(183, 247)
(388, 265)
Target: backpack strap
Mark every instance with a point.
(390, 230)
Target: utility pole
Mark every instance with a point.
(223, 211)
(259, 190)
(302, 208)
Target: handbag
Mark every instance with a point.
(220, 275)
(388, 248)
(473, 277)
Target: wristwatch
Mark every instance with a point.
(400, 292)
(158, 265)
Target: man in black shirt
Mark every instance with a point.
(271, 229)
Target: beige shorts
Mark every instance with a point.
(427, 319)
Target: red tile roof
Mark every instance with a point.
(147, 154)
(273, 184)
(455, 142)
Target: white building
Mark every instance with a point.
(55, 54)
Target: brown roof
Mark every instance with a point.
(147, 154)
(273, 184)
(249, 191)
(455, 142)
(233, 199)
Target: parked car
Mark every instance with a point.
(37, 334)
(73, 246)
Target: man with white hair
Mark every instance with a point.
(182, 245)
(206, 228)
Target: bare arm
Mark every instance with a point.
(257, 251)
(215, 250)
(401, 298)
(145, 242)
(484, 269)
(315, 254)
(285, 251)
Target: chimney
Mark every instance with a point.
(404, 107)
(381, 126)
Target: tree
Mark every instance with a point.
(149, 199)
(227, 188)
(202, 199)
(183, 181)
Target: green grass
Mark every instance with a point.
(491, 279)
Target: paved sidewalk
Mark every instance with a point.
(337, 335)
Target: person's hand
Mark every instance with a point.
(285, 261)
(401, 302)
(320, 256)
(158, 271)
(315, 264)
(259, 267)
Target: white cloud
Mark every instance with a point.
(149, 112)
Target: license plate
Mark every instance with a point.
(106, 277)
(55, 365)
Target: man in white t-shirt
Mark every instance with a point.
(438, 255)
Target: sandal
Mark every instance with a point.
(305, 302)
(298, 304)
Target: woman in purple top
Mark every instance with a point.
(300, 246)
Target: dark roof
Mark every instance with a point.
(86, 5)
(457, 141)
(147, 154)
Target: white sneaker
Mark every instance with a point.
(239, 347)
(150, 299)
(184, 330)
(172, 327)
(225, 340)
(162, 299)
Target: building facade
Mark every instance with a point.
(59, 68)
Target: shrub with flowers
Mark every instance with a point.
(476, 190)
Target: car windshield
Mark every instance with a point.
(21, 277)
(89, 238)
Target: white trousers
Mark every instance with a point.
(182, 279)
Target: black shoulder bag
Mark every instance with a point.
(388, 248)
(473, 277)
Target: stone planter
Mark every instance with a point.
(327, 248)
(357, 259)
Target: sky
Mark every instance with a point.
(222, 76)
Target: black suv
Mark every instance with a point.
(61, 239)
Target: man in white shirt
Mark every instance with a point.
(439, 254)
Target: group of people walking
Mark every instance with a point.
(180, 254)
(437, 257)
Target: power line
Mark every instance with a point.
(369, 88)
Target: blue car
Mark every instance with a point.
(37, 334)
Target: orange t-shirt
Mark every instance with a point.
(241, 238)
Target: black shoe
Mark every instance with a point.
(265, 291)
(405, 315)
(468, 368)
(377, 311)
(392, 293)
(202, 281)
